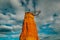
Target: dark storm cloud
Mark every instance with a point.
(5, 7)
(26, 3)
(5, 30)
(35, 4)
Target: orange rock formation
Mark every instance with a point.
(29, 30)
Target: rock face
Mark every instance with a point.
(29, 30)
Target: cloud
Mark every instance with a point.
(5, 6)
(48, 9)
(5, 29)
(7, 22)
(3, 26)
(15, 4)
(2, 35)
(11, 18)
(4, 17)
(17, 28)
(20, 15)
(15, 36)
(43, 36)
(14, 28)
(14, 15)
(52, 37)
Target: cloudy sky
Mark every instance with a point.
(12, 15)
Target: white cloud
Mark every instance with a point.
(4, 17)
(15, 4)
(7, 22)
(42, 35)
(13, 29)
(11, 15)
(5, 27)
(52, 37)
(48, 8)
(56, 27)
(20, 15)
(2, 35)
(15, 36)
(17, 28)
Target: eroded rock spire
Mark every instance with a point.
(29, 29)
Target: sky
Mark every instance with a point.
(12, 14)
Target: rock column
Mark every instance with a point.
(29, 30)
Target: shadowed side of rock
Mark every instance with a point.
(29, 30)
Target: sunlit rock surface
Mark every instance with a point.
(29, 30)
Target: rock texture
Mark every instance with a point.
(29, 30)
